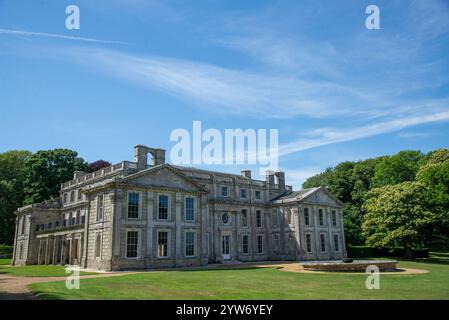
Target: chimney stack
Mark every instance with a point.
(141, 156)
(269, 176)
(281, 179)
(246, 173)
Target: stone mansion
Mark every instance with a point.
(135, 215)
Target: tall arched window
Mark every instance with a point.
(97, 246)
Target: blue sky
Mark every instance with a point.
(138, 69)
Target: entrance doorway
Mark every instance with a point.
(226, 247)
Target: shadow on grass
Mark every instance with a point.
(434, 258)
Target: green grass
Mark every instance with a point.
(35, 271)
(258, 283)
(5, 261)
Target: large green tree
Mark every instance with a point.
(398, 168)
(12, 176)
(46, 170)
(399, 216)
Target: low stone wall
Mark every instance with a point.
(355, 266)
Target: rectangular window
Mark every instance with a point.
(323, 242)
(100, 204)
(244, 218)
(336, 243)
(162, 244)
(306, 217)
(190, 210)
(245, 244)
(83, 219)
(308, 243)
(224, 191)
(321, 216)
(132, 244)
(163, 207)
(334, 218)
(80, 194)
(259, 219)
(78, 217)
(72, 219)
(72, 195)
(259, 244)
(133, 205)
(64, 198)
(243, 193)
(190, 244)
(258, 194)
(289, 216)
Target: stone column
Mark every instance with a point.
(204, 231)
(39, 252)
(150, 226)
(178, 237)
(342, 235)
(55, 244)
(329, 232)
(317, 235)
(116, 223)
(47, 250)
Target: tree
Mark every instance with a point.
(12, 175)
(46, 170)
(435, 175)
(398, 168)
(98, 165)
(398, 216)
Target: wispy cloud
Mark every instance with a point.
(329, 136)
(58, 36)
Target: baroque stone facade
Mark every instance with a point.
(135, 215)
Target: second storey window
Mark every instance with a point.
(132, 244)
(162, 244)
(64, 198)
(306, 217)
(258, 195)
(133, 205)
(243, 193)
(259, 219)
(72, 195)
(100, 205)
(190, 210)
(224, 191)
(80, 194)
(244, 218)
(163, 207)
(321, 217)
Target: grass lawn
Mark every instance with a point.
(259, 283)
(34, 271)
(5, 261)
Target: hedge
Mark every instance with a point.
(368, 252)
(5, 249)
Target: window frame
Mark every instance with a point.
(334, 218)
(222, 187)
(321, 217)
(244, 213)
(323, 242)
(245, 192)
(259, 219)
(100, 217)
(336, 243)
(245, 252)
(193, 208)
(306, 216)
(159, 195)
(194, 243)
(309, 243)
(258, 192)
(260, 244)
(139, 204)
(137, 231)
(167, 244)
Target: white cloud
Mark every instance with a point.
(54, 35)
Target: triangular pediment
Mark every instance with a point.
(163, 176)
(323, 197)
